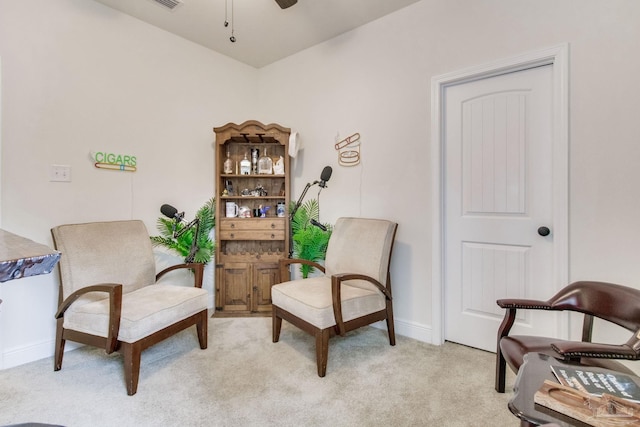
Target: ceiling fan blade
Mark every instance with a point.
(286, 3)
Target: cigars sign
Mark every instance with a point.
(114, 161)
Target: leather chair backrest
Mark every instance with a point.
(615, 303)
(360, 245)
(104, 252)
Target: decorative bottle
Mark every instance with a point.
(245, 165)
(254, 160)
(228, 164)
(265, 164)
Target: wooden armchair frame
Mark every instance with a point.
(341, 327)
(131, 351)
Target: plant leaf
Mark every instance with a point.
(309, 242)
(182, 245)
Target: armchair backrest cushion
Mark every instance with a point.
(104, 252)
(362, 246)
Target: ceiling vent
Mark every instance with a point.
(169, 4)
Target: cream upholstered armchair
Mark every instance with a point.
(108, 296)
(354, 291)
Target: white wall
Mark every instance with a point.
(376, 81)
(80, 77)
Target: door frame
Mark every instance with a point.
(2, 315)
(558, 56)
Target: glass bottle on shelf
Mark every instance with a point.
(228, 164)
(278, 166)
(265, 164)
(245, 165)
(254, 160)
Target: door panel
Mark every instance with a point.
(235, 290)
(498, 153)
(266, 275)
(493, 154)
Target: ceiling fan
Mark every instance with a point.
(286, 3)
(282, 3)
(172, 4)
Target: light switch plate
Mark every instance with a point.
(60, 173)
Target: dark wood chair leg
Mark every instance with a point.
(276, 325)
(501, 363)
(501, 370)
(59, 350)
(322, 350)
(132, 353)
(202, 327)
(390, 327)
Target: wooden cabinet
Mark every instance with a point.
(249, 246)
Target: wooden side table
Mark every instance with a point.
(535, 369)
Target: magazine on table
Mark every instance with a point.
(596, 382)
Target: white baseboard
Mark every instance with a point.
(31, 353)
(409, 329)
(21, 355)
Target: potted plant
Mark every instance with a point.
(182, 244)
(309, 241)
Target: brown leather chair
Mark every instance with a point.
(614, 303)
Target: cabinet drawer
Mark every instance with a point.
(252, 234)
(252, 224)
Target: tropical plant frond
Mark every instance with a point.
(165, 227)
(182, 244)
(309, 241)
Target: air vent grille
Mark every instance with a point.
(169, 4)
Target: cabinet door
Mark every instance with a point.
(235, 292)
(265, 275)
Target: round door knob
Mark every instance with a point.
(544, 231)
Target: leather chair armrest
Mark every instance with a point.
(115, 309)
(197, 267)
(511, 305)
(523, 303)
(596, 350)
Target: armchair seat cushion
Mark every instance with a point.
(144, 311)
(311, 300)
(514, 347)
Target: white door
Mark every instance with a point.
(498, 192)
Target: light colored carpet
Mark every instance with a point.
(243, 379)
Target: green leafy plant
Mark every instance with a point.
(182, 244)
(309, 241)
